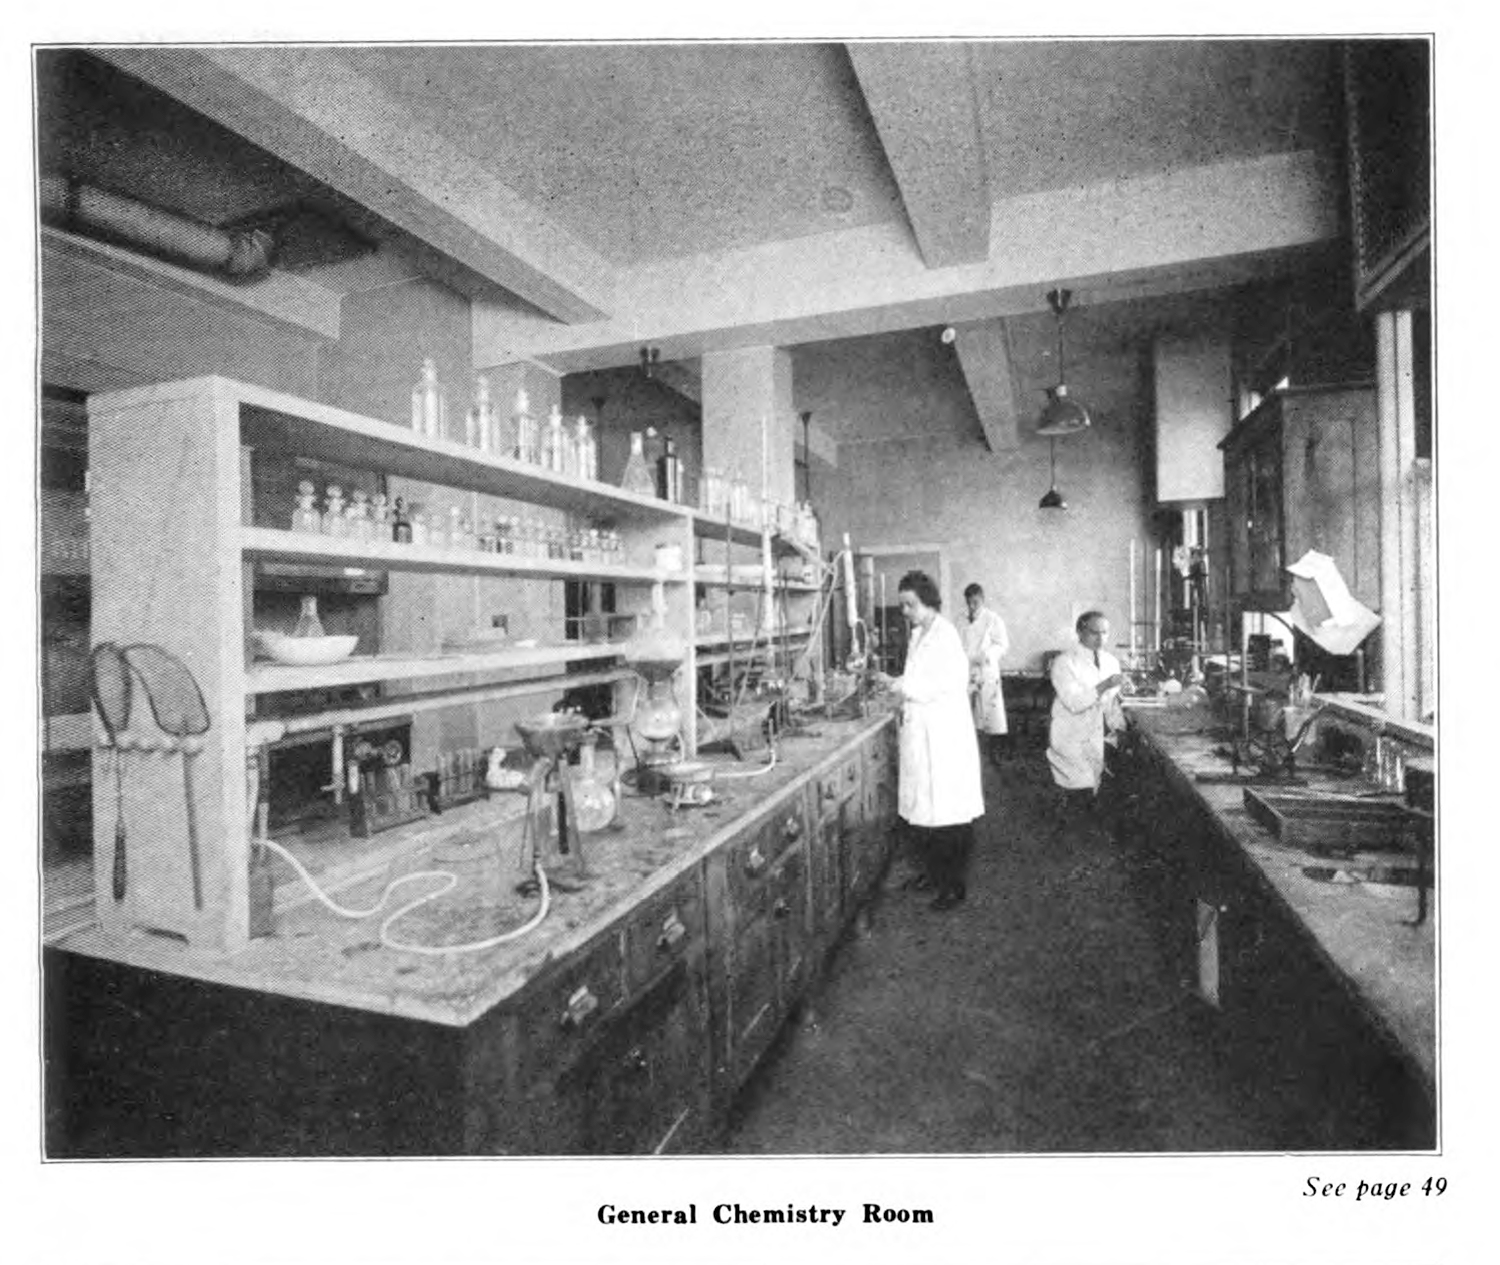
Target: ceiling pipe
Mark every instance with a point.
(240, 255)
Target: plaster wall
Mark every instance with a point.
(1040, 568)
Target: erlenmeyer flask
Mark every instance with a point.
(308, 623)
(637, 477)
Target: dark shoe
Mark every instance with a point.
(950, 897)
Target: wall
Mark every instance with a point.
(1038, 567)
(633, 402)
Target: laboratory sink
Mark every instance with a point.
(1333, 824)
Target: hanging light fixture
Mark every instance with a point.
(1063, 415)
(650, 358)
(1052, 499)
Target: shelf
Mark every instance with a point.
(273, 544)
(713, 577)
(272, 678)
(279, 422)
(705, 640)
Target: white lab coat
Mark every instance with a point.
(939, 770)
(1080, 717)
(986, 643)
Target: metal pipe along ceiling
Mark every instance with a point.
(95, 212)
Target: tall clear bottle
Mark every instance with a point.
(527, 448)
(428, 410)
(637, 477)
(554, 442)
(588, 450)
(479, 426)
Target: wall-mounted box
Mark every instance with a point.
(1193, 413)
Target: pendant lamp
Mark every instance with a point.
(1052, 499)
(1063, 415)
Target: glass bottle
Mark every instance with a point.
(308, 623)
(427, 406)
(306, 517)
(553, 441)
(505, 535)
(418, 524)
(358, 516)
(637, 477)
(333, 513)
(588, 450)
(400, 524)
(526, 430)
(455, 527)
(486, 535)
(479, 425)
(380, 517)
(669, 473)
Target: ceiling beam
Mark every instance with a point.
(921, 96)
(306, 108)
(1190, 229)
(985, 354)
(683, 376)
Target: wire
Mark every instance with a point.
(750, 772)
(450, 882)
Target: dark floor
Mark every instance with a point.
(1041, 1015)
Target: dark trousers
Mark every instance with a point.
(944, 851)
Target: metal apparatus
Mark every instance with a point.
(551, 739)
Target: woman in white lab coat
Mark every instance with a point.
(986, 643)
(938, 793)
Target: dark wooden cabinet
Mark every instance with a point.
(634, 1042)
(1301, 472)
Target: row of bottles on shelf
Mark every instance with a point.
(561, 446)
(374, 518)
(572, 448)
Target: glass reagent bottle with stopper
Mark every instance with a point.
(427, 407)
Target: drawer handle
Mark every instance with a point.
(672, 931)
(635, 1060)
(755, 862)
(792, 828)
(580, 1006)
(780, 909)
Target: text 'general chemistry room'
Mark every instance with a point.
(737, 599)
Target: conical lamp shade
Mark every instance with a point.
(1063, 415)
(1052, 499)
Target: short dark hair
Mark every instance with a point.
(1081, 625)
(920, 583)
(974, 590)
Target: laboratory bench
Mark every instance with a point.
(1311, 978)
(625, 1022)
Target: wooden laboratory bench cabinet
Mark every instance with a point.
(626, 1024)
(1277, 1007)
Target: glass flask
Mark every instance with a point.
(308, 623)
(637, 477)
(526, 431)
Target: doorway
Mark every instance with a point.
(891, 562)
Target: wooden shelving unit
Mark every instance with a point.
(173, 543)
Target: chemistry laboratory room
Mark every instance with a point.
(711, 598)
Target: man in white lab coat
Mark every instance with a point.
(1086, 705)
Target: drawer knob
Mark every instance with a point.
(755, 862)
(635, 1060)
(580, 1006)
(792, 828)
(830, 792)
(672, 932)
(780, 909)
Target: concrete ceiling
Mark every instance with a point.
(831, 198)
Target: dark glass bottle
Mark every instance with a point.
(669, 474)
(400, 524)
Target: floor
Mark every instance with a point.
(1041, 1015)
